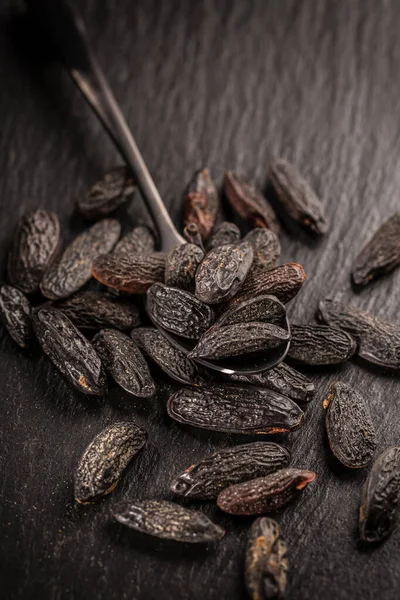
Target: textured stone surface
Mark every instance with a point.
(227, 85)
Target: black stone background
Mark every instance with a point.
(227, 85)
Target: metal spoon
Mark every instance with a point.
(66, 31)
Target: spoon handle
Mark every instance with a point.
(67, 33)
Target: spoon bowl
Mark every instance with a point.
(247, 364)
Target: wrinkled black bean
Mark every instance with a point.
(94, 310)
(125, 362)
(378, 341)
(225, 233)
(248, 201)
(380, 497)
(320, 345)
(172, 361)
(15, 314)
(380, 255)
(178, 311)
(282, 379)
(73, 269)
(192, 235)
(107, 194)
(105, 459)
(266, 247)
(201, 203)
(204, 480)
(296, 197)
(69, 351)
(259, 309)
(35, 247)
(168, 520)
(264, 494)
(283, 281)
(351, 433)
(138, 241)
(181, 266)
(222, 272)
(236, 409)
(132, 273)
(266, 561)
(238, 339)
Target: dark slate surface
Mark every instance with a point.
(223, 84)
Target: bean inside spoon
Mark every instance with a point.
(66, 31)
